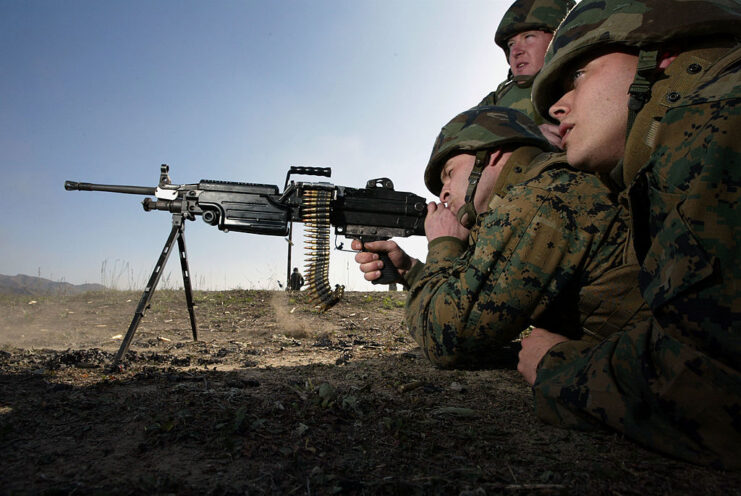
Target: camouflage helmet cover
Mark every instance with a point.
(598, 24)
(480, 128)
(530, 15)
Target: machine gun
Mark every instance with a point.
(375, 212)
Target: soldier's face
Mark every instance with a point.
(527, 51)
(593, 112)
(455, 175)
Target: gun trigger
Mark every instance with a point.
(165, 194)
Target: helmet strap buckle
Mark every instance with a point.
(640, 89)
(467, 214)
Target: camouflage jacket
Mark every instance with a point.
(550, 251)
(513, 95)
(673, 384)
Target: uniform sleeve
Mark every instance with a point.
(655, 389)
(414, 274)
(521, 255)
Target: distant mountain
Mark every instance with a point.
(29, 285)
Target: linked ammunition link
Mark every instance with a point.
(315, 210)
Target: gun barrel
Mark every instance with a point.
(112, 188)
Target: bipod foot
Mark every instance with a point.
(115, 368)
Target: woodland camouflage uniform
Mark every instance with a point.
(550, 251)
(524, 15)
(673, 385)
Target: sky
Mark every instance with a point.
(105, 91)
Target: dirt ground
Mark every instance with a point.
(275, 398)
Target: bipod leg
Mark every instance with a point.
(186, 282)
(143, 305)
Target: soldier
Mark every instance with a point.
(545, 245)
(297, 280)
(666, 74)
(524, 33)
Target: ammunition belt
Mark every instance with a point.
(315, 210)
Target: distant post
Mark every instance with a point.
(290, 246)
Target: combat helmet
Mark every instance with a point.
(530, 15)
(640, 24)
(478, 132)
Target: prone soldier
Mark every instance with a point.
(666, 74)
(518, 238)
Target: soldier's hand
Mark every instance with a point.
(534, 348)
(441, 221)
(370, 263)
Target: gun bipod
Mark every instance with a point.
(177, 233)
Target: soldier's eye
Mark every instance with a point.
(575, 77)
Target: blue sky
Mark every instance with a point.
(105, 91)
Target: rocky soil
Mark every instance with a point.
(275, 398)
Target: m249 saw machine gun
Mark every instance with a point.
(375, 212)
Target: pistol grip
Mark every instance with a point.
(389, 274)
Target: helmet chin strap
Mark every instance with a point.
(640, 94)
(640, 90)
(467, 214)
